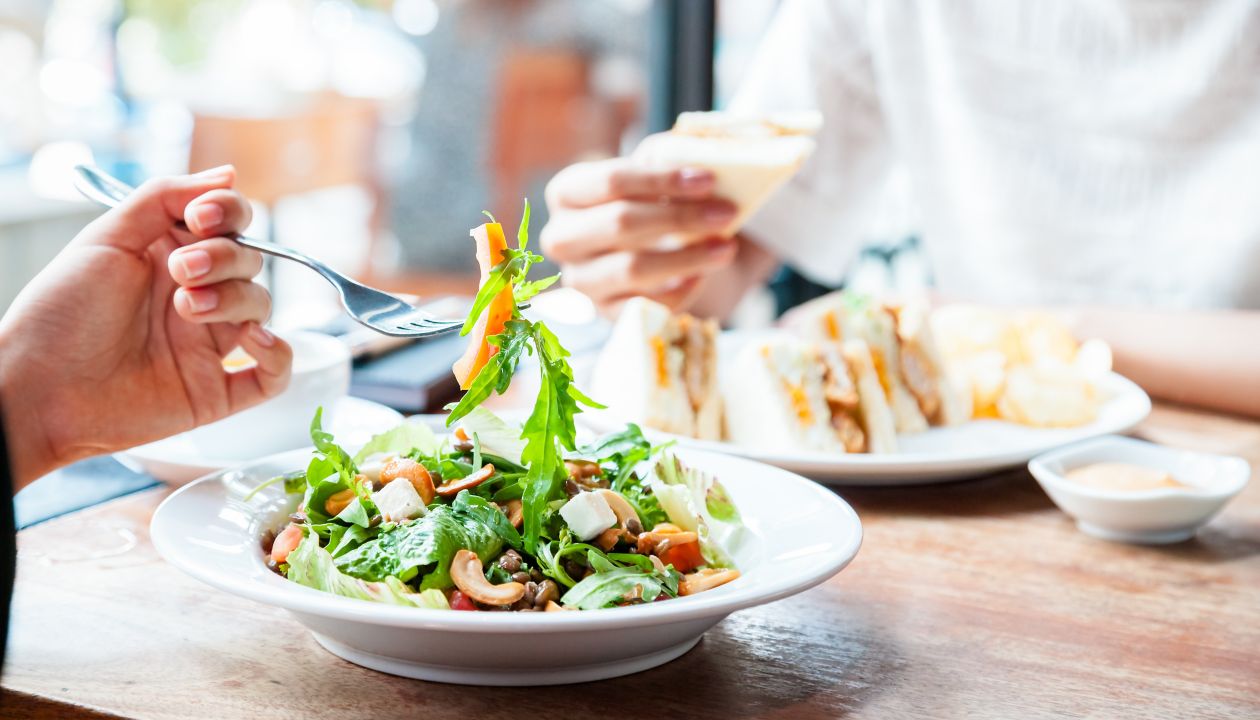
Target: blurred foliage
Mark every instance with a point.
(185, 26)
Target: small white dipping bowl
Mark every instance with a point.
(321, 375)
(1163, 515)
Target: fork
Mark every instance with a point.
(373, 308)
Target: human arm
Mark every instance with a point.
(120, 340)
(1208, 358)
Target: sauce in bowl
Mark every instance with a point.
(1123, 477)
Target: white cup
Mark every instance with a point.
(321, 376)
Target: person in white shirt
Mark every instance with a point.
(1101, 158)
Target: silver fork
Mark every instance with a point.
(375, 309)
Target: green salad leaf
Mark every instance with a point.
(611, 585)
(428, 544)
(407, 437)
(696, 501)
(550, 428)
(313, 566)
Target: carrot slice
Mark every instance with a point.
(490, 247)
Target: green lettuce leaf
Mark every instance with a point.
(429, 544)
(312, 566)
(400, 441)
(696, 501)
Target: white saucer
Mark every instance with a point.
(176, 460)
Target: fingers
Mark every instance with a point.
(676, 297)
(218, 212)
(150, 211)
(231, 301)
(213, 261)
(645, 273)
(269, 376)
(629, 225)
(593, 183)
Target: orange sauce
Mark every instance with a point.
(1123, 477)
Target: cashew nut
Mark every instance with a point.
(658, 542)
(707, 579)
(515, 513)
(468, 576)
(553, 606)
(452, 488)
(413, 472)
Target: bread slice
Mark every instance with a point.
(660, 370)
(750, 157)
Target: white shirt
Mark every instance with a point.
(1059, 151)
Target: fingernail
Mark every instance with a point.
(719, 214)
(718, 248)
(695, 179)
(194, 263)
(215, 173)
(207, 216)
(261, 336)
(202, 299)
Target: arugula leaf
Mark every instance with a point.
(512, 269)
(497, 373)
(313, 566)
(522, 230)
(525, 291)
(612, 585)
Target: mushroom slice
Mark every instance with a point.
(515, 513)
(452, 488)
(620, 506)
(468, 576)
(707, 579)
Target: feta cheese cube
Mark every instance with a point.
(588, 515)
(399, 501)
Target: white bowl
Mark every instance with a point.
(1163, 515)
(801, 534)
(321, 375)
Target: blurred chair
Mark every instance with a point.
(545, 117)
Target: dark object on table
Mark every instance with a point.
(415, 378)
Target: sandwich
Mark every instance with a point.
(794, 396)
(749, 156)
(903, 351)
(661, 370)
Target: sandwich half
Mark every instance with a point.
(788, 395)
(749, 156)
(941, 397)
(660, 370)
(909, 364)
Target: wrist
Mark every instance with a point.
(30, 453)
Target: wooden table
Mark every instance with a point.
(974, 599)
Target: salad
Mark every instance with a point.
(497, 517)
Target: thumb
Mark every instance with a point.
(153, 209)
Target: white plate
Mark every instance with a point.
(937, 455)
(801, 534)
(176, 460)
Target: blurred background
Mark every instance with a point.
(370, 133)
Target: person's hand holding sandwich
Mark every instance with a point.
(662, 223)
(621, 229)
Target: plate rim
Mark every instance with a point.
(899, 468)
(303, 600)
(139, 454)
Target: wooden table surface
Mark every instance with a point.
(974, 599)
